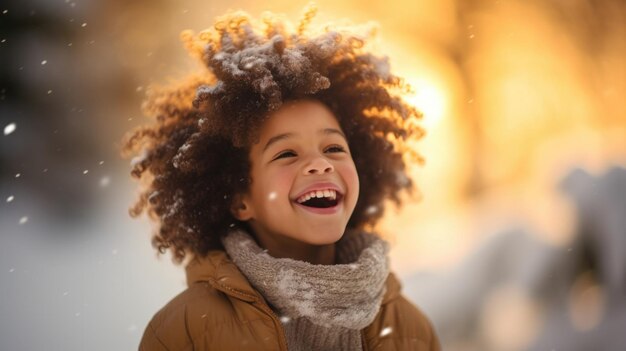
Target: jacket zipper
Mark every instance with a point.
(281, 332)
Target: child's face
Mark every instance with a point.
(301, 149)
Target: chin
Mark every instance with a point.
(330, 237)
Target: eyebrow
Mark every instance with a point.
(325, 131)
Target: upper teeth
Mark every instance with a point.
(329, 193)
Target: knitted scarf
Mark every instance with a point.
(322, 307)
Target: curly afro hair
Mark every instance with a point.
(194, 158)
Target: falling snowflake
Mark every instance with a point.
(44, 62)
(385, 331)
(86, 171)
(10, 198)
(9, 128)
(23, 220)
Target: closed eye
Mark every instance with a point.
(284, 154)
(335, 149)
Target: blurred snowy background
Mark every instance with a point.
(519, 242)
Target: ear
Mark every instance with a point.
(240, 208)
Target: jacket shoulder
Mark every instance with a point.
(400, 325)
(186, 317)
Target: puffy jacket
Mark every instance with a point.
(220, 310)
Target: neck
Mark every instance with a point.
(284, 247)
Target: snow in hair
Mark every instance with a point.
(194, 154)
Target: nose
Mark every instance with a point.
(318, 165)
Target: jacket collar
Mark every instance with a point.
(217, 269)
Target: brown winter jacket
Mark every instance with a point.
(220, 310)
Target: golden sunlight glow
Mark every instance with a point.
(429, 99)
(513, 97)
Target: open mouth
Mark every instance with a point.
(320, 202)
(320, 199)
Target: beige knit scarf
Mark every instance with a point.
(322, 307)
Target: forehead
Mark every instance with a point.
(298, 117)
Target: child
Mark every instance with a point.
(265, 174)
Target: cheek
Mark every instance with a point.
(351, 177)
(277, 186)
